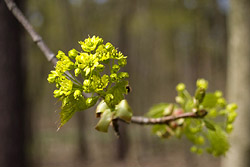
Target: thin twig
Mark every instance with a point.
(51, 58)
(164, 120)
(29, 28)
(37, 39)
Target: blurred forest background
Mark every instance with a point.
(166, 41)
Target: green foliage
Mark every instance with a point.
(158, 110)
(82, 72)
(218, 142)
(84, 77)
(209, 133)
(121, 111)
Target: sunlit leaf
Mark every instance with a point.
(218, 142)
(157, 110)
(102, 106)
(123, 111)
(209, 101)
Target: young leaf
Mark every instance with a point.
(116, 93)
(104, 122)
(160, 130)
(102, 106)
(157, 110)
(70, 105)
(209, 125)
(209, 101)
(123, 111)
(218, 141)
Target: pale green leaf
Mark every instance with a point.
(209, 101)
(159, 130)
(102, 106)
(157, 110)
(105, 120)
(123, 111)
(218, 142)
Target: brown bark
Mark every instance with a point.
(12, 113)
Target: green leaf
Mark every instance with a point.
(91, 101)
(123, 111)
(118, 91)
(218, 142)
(104, 122)
(66, 114)
(168, 110)
(70, 106)
(200, 94)
(102, 106)
(157, 110)
(159, 130)
(209, 125)
(209, 101)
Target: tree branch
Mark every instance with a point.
(51, 58)
(164, 120)
(36, 38)
(29, 28)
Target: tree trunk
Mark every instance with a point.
(12, 113)
(122, 141)
(126, 11)
(239, 81)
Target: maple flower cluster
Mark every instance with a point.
(82, 72)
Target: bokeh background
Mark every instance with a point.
(166, 41)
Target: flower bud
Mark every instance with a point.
(113, 77)
(108, 98)
(231, 117)
(200, 94)
(77, 71)
(72, 53)
(115, 68)
(86, 82)
(229, 128)
(232, 107)
(200, 140)
(122, 62)
(180, 87)
(77, 94)
(218, 94)
(123, 75)
(202, 83)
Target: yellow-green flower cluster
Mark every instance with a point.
(95, 83)
(88, 65)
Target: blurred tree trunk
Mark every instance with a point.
(12, 113)
(239, 81)
(70, 27)
(123, 39)
(82, 139)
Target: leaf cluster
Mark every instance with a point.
(209, 133)
(83, 77)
